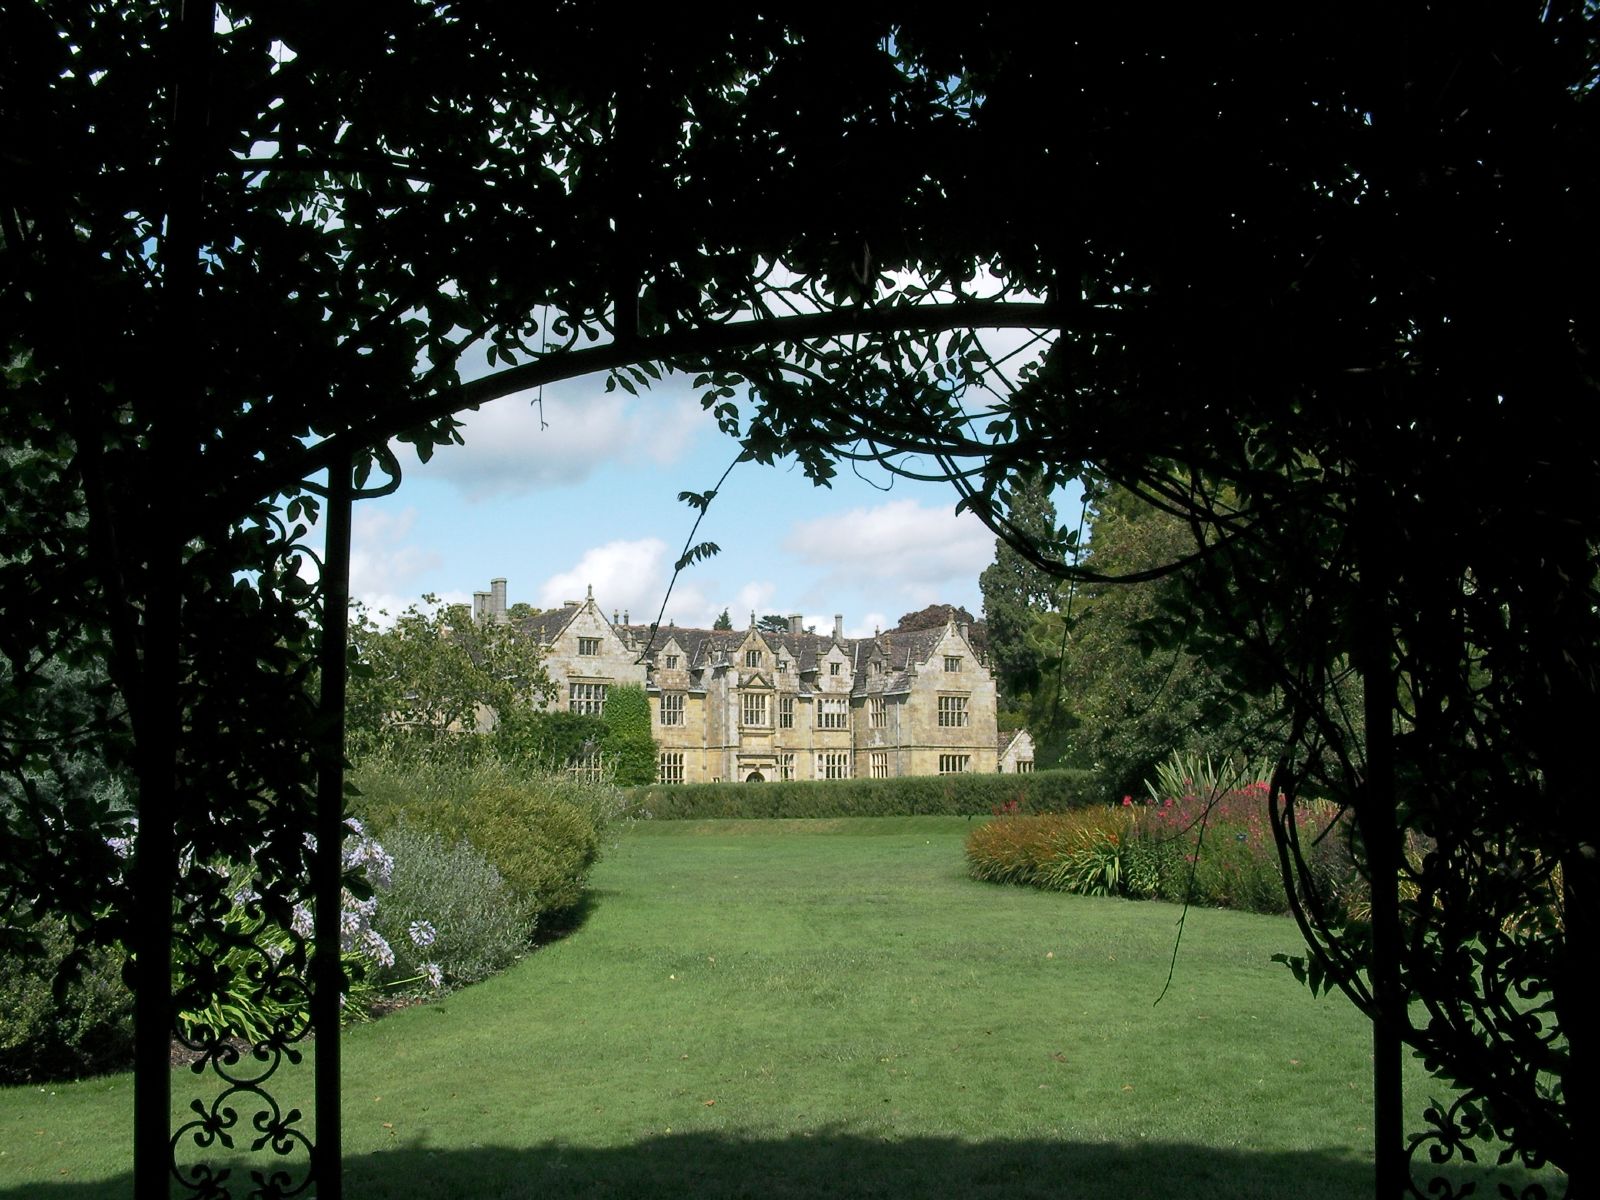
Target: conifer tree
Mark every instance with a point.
(1016, 593)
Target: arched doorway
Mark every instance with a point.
(755, 777)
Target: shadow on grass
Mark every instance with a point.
(553, 926)
(823, 1164)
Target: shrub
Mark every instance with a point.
(542, 742)
(1039, 850)
(88, 1031)
(909, 796)
(541, 832)
(446, 905)
(243, 976)
(1157, 851)
(543, 846)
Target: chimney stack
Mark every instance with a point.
(796, 626)
(838, 627)
(497, 600)
(480, 607)
(962, 628)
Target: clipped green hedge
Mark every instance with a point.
(914, 796)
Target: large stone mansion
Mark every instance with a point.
(755, 705)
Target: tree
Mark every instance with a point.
(1129, 680)
(1015, 591)
(434, 681)
(773, 623)
(547, 741)
(723, 622)
(935, 616)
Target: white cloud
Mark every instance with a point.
(624, 574)
(918, 554)
(382, 559)
(516, 445)
(632, 577)
(859, 627)
(384, 607)
(753, 597)
(869, 624)
(688, 606)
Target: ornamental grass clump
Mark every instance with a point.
(1037, 850)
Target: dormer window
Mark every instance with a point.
(833, 668)
(952, 662)
(588, 646)
(672, 662)
(752, 659)
(783, 665)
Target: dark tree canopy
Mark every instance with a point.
(935, 616)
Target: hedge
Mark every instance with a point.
(914, 796)
(540, 832)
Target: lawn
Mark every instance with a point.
(825, 1008)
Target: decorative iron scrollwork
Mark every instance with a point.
(243, 1010)
(1449, 1137)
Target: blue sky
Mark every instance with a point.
(591, 499)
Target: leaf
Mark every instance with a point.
(697, 554)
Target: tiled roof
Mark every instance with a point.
(547, 626)
(704, 648)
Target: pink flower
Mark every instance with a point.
(1127, 801)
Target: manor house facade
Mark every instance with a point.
(755, 705)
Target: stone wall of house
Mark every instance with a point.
(734, 690)
(952, 673)
(611, 662)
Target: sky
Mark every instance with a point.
(581, 491)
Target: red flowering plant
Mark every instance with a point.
(1203, 836)
(1209, 830)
